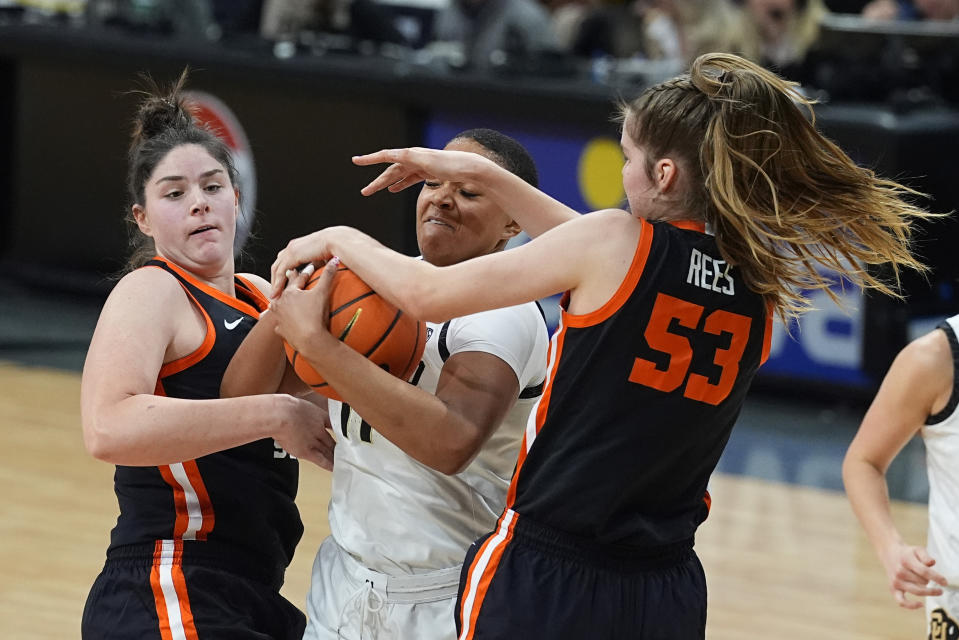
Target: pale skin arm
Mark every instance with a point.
(918, 384)
(124, 422)
(443, 431)
(535, 211)
(260, 364)
(588, 256)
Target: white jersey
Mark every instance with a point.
(941, 437)
(395, 515)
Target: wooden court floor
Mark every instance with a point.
(782, 562)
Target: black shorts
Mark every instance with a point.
(133, 598)
(528, 581)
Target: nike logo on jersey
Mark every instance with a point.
(230, 326)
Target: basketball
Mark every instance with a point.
(359, 317)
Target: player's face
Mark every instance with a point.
(455, 221)
(190, 210)
(639, 188)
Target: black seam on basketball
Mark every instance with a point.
(396, 318)
(322, 384)
(353, 301)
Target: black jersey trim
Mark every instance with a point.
(444, 350)
(950, 407)
(532, 392)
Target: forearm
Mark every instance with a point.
(535, 211)
(868, 494)
(417, 422)
(406, 282)
(148, 430)
(258, 365)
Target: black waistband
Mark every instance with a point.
(619, 558)
(206, 554)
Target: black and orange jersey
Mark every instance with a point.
(241, 500)
(641, 396)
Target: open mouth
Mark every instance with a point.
(439, 221)
(206, 227)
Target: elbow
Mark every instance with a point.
(456, 456)
(96, 442)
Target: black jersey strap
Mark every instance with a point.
(950, 407)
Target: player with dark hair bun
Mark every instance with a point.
(205, 486)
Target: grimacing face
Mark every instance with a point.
(455, 221)
(190, 210)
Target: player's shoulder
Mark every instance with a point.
(147, 283)
(927, 355)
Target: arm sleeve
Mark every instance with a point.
(515, 335)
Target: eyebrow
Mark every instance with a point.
(205, 174)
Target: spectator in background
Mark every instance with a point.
(485, 27)
(912, 10)
(779, 33)
(665, 30)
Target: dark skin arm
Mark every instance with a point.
(443, 431)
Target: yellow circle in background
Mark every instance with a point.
(600, 174)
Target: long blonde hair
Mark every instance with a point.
(781, 197)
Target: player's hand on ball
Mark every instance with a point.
(301, 314)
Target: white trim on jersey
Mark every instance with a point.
(170, 599)
(550, 365)
(479, 568)
(192, 500)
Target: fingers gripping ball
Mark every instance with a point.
(390, 338)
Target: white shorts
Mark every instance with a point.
(350, 602)
(942, 614)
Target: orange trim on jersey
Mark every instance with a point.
(187, 361)
(208, 519)
(182, 505)
(691, 225)
(206, 288)
(179, 502)
(472, 601)
(186, 626)
(708, 499)
(251, 290)
(542, 406)
(625, 288)
(767, 335)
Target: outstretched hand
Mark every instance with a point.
(909, 570)
(415, 164)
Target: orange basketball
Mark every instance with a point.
(369, 324)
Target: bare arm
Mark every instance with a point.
(124, 422)
(443, 431)
(535, 211)
(917, 385)
(588, 256)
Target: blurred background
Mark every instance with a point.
(297, 87)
